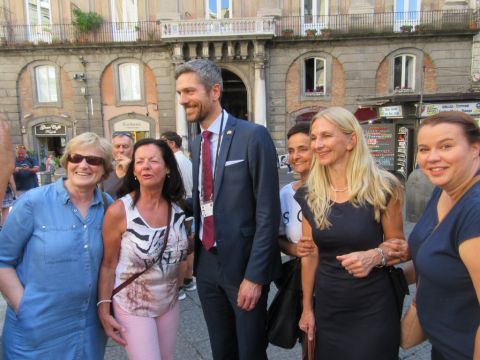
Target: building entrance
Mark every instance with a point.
(234, 97)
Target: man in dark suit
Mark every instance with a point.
(236, 222)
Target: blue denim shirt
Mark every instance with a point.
(57, 255)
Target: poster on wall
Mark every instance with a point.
(381, 142)
(403, 153)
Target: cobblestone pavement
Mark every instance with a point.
(192, 339)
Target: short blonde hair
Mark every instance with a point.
(90, 139)
(367, 183)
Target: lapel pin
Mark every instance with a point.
(229, 132)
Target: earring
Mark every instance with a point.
(168, 176)
(135, 178)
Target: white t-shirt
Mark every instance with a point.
(291, 215)
(185, 167)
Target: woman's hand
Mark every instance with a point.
(360, 263)
(112, 328)
(307, 323)
(395, 250)
(305, 246)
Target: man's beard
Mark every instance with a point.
(200, 117)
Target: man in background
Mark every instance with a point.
(174, 142)
(26, 169)
(122, 150)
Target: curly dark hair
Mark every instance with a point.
(172, 191)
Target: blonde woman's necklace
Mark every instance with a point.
(338, 190)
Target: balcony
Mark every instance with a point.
(222, 28)
(429, 22)
(378, 23)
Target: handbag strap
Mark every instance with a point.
(104, 201)
(135, 276)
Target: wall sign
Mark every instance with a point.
(381, 142)
(131, 125)
(471, 108)
(50, 129)
(391, 111)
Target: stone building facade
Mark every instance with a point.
(373, 56)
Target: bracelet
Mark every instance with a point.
(384, 259)
(104, 301)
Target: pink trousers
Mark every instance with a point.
(149, 338)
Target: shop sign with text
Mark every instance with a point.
(391, 111)
(50, 129)
(471, 108)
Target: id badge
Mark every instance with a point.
(207, 208)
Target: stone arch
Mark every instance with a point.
(114, 109)
(248, 88)
(384, 73)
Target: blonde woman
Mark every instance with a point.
(351, 207)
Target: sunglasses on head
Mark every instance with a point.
(91, 160)
(122, 133)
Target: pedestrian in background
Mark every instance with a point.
(300, 156)
(10, 196)
(50, 164)
(352, 207)
(445, 243)
(145, 241)
(236, 207)
(50, 253)
(26, 169)
(122, 149)
(7, 163)
(174, 142)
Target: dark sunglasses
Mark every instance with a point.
(91, 160)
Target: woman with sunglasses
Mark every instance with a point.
(145, 241)
(50, 253)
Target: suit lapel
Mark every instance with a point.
(222, 156)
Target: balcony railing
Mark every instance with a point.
(156, 31)
(109, 32)
(380, 23)
(218, 28)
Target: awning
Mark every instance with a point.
(366, 113)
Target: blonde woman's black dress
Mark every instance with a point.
(356, 319)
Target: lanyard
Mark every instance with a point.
(216, 156)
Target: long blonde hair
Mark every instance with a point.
(367, 184)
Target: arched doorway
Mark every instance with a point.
(234, 97)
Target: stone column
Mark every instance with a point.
(260, 95)
(181, 121)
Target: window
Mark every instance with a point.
(219, 9)
(124, 20)
(130, 88)
(314, 15)
(314, 77)
(407, 12)
(314, 7)
(46, 84)
(39, 19)
(404, 73)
